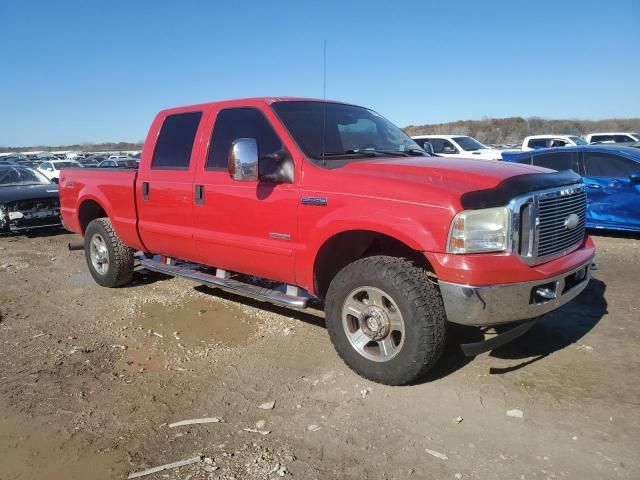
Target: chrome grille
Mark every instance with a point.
(554, 212)
(550, 223)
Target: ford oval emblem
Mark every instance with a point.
(572, 221)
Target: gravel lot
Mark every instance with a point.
(90, 378)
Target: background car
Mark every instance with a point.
(91, 161)
(458, 146)
(119, 163)
(51, 169)
(28, 200)
(612, 137)
(611, 176)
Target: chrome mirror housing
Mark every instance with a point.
(243, 160)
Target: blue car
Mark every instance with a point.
(611, 175)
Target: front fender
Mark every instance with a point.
(424, 233)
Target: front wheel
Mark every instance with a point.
(385, 319)
(109, 260)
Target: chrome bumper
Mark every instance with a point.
(496, 304)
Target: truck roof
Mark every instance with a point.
(249, 100)
(551, 135)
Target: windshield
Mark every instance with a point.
(349, 131)
(468, 144)
(13, 176)
(578, 141)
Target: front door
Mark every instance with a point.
(613, 200)
(247, 227)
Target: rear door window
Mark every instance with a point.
(175, 141)
(538, 143)
(597, 164)
(557, 161)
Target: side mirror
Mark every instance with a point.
(635, 178)
(243, 160)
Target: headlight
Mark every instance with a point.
(485, 230)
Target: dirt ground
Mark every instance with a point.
(90, 378)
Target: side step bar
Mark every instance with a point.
(229, 284)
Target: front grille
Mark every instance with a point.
(554, 216)
(550, 223)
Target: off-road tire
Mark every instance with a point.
(420, 304)
(120, 270)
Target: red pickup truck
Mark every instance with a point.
(332, 202)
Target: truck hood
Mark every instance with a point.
(27, 192)
(435, 180)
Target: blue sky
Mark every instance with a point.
(98, 71)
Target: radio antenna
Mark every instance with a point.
(324, 97)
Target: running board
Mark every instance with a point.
(228, 284)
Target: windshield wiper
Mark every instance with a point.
(368, 152)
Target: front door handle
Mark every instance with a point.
(199, 194)
(593, 185)
(145, 190)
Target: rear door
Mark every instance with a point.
(247, 227)
(164, 189)
(613, 200)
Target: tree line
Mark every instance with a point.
(514, 129)
(488, 130)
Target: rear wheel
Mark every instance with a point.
(109, 260)
(385, 319)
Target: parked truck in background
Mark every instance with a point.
(457, 146)
(533, 142)
(333, 202)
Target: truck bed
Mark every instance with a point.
(112, 189)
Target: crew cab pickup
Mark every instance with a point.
(335, 206)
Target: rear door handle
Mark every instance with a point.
(593, 185)
(199, 194)
(145, 190)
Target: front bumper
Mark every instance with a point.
(496, 304)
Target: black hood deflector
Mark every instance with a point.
(501, 194)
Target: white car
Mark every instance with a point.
(118, 157)
(612, 137)
(535, 142)
(457, 146)
(51, 169)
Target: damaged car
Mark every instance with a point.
(28, 200)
